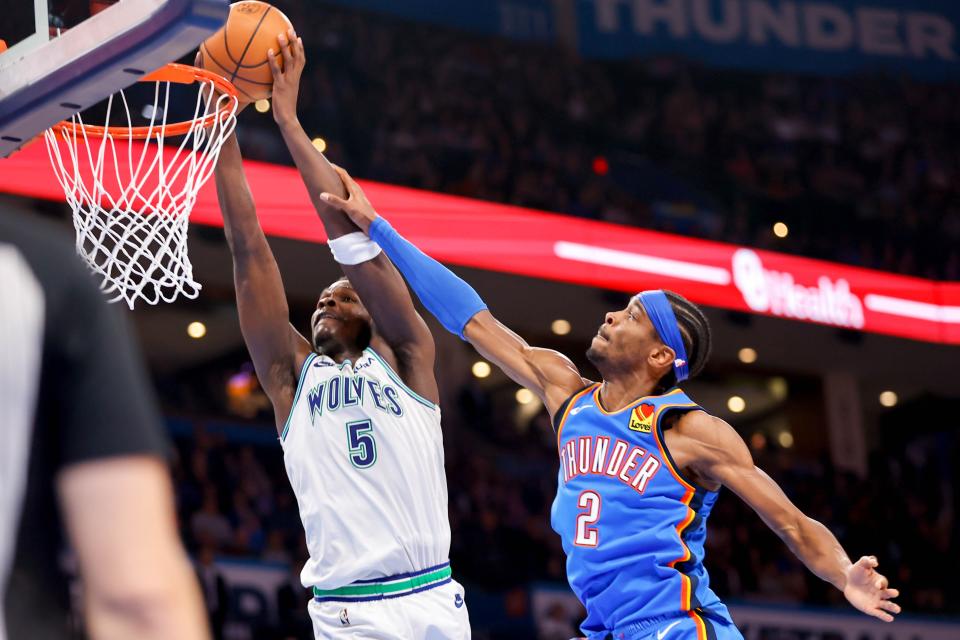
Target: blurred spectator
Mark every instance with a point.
(208, 525)
(292, 598)
(275, 550)
(214, 588)
(556, 625)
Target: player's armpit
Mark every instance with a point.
(718, 454)
(547, 373)
(387, 299)
(721, 456)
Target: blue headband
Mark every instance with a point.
(665, 323)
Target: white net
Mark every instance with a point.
(131, 200)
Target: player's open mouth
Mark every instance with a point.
(318, 319)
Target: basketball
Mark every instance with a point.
(238, 51)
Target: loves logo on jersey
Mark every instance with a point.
(641, 419)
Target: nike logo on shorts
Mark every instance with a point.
(662, 632)
(458, 600)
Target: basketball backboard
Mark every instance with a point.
(63, 56)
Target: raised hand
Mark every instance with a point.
(356, 206)
(867, 590)
(286, 81)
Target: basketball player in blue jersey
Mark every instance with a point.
(641, 464)
(356, 410)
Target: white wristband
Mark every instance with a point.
(353, 248)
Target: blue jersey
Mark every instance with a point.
(632, 526)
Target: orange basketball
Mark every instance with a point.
(238, 51)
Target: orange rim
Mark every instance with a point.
(178, 74)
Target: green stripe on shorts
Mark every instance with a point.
(386, 588)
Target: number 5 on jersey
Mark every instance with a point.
(360, 444)
(588, 536)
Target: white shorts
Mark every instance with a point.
(435, 614)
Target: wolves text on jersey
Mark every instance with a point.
(340, 392)
(593, 455)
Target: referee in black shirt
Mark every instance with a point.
(83, 452)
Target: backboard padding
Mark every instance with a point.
(86, 64)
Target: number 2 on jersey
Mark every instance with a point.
(360, 444)
(588, 536)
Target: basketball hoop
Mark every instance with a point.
(131, 200)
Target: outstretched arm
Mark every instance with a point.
(275, 346)
(549, 374)
(384, 294)
(722, 456)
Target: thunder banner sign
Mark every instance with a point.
(823, 37)
(815, 36)
(522, 241)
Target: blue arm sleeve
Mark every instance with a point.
(451, 300)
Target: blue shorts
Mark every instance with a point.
(691, 627)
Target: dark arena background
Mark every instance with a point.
(793, 167)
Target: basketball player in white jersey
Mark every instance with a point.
(356, 410)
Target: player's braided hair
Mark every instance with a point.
(695, 332)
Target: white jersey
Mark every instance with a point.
(364, 454)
